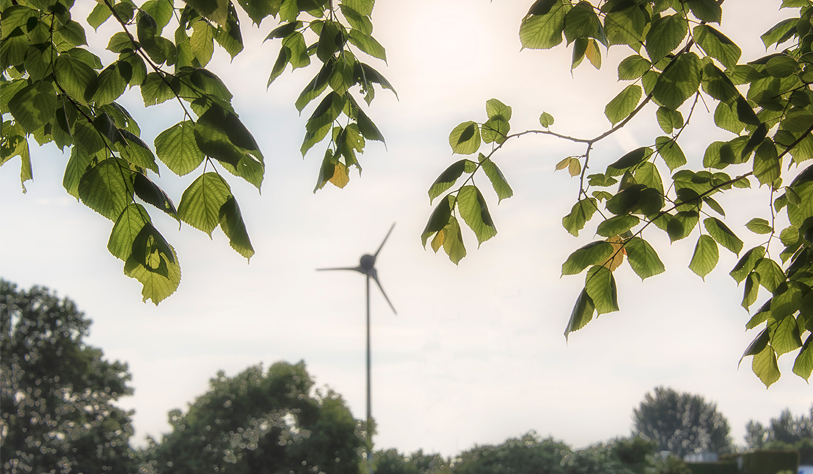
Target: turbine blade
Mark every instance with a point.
(355, 269)
(374, 274)
(385, 241)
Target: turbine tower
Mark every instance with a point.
(366, 267)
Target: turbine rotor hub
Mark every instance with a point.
(367, 262)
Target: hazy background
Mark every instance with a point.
(476, 352)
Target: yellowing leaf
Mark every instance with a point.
(574, 167)
(340, 176)
(617, 257)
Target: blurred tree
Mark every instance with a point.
(681, 423)
(528, 454)
(57, 393)
(619, 456)
(784, 432)
(261, 423)
(390, 461)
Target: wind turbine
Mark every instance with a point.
(366, 266)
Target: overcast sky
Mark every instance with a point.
(476, 353)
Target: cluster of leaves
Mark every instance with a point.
(57, 392)
(55, 89)
(260, 421)
(679, 60)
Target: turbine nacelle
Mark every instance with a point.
(367, 267)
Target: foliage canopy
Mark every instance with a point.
(681, 423)
(55, 89)
(261, 422)
(57, 392)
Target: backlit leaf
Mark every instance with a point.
(747, 263)
(759, 226)
(107, 187)
(723, 235)
(449, 177)
(582, 313)
(231, 222)
(202, 200)
(803, 366)
(643, 259)
(765, 367)
(498, 181)
(623, 104)
(177, 148)
(665, 34)
(633, 67)
(617, 225)
(581, 212)
(594, 253)
(465, 138)
(600, 286)
(544, 31)
(705, 256)
(474, 211)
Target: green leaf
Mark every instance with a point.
(664, 35)
(439, 219)
(600, 286)
(34, 105)
(750, 290)
(757, 345)
(803, 365)
(705, 256)
(770, 274)
(582, 22)
(717, 45)
(465, 138)
(453, 241)
(108, 86)
(581, 212)
(474, 211)
(495, 130)
(626, 26)
(495, 108)
(546, 119)
(98, 16)
(216, 122)
(726, 118)
(202, 41)
(594, 253)
(449, 177)
(643, 259)
(759, 226)
(706, 10)
(156, 285)
(747, 263)
(633, 67)
(76, 167)
(623, 104)
(582, 313)
(765, 367)
(544, 31)
(779, 32)
(669, 119)
(368, 128)
(330, 40)
(231, 222)
(368, 44)
(202, 200)
(766, 163)
(787, 300)
(617, 225)
(498, 181)
(723, 235)
(177, 148)
(719, 86)
(107, 188)
(357, 20)
(215, 10)
(128, 225)
(670, 152)
(785, 336)
(628, 161)
(679, 81)
(681, 225)
(150, 193)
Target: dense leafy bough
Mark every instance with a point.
(679, 60)
(55, 89)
